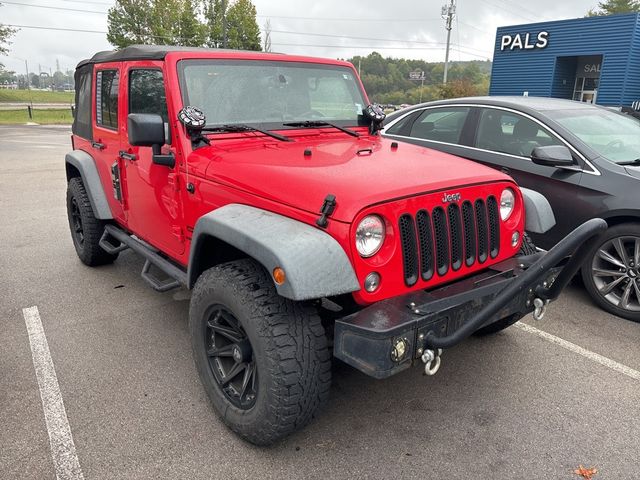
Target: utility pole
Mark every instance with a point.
(448, 14)
(26, 67)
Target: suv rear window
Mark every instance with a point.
(107, 98)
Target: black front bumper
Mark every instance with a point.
(445, 316)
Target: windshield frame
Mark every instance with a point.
(361, 120)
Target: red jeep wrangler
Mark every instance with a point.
(259, 181)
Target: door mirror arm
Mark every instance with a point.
(168, 160)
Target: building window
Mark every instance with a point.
(107, 98)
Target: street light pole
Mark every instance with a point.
(448, 13)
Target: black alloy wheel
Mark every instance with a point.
(231, 358)
(263, 359)
(615, 269)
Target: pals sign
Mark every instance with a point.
(524, 42)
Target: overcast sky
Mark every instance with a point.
(396, 28)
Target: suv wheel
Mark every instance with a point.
(86, 229)
(611, 273)
(262, 359)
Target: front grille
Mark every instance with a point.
(425, 236)
(409, 249)
(445, 240)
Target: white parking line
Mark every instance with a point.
(63, 450)
(594, 357)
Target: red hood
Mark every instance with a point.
(280, 171)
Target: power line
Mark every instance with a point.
(110, 4)
(379, 47)
(386, 20)
(53, 8)
(288, 32)
(457, 48)
(530, 12)
(511, 11)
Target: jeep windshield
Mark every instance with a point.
(271, 93)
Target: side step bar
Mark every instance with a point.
(177, 277)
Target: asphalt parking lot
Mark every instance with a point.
(519, 405)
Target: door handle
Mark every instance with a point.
(127, 156)
(98, 145)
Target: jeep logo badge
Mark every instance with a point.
(451, 197)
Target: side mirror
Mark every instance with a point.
(147, 130)
(553, 156)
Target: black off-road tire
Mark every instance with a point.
(526, 248)
(86, 229)
(629, 235)
(288, 350)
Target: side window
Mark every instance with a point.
(82, 117)
(147, 94)
(440, 124)
(403, 127)
(507, 132)
(107, 98)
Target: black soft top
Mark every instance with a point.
(145, 52)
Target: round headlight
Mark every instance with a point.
(507, 201)
(370, 235)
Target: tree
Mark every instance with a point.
(242, 29)
(7, 76)
(5, 35)
(34, 80)
(267, 36)
(614, 7)
(129, 23)
(189, 28)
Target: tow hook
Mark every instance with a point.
(540, 308)
(429, 357)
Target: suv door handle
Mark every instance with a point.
(98, 145)
(127, 156)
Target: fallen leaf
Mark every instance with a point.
(586, 473)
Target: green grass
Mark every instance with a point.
(45, 117)
(35, 96)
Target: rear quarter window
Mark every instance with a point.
(107, 82)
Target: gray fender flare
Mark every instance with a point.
(538, 212)
(315, 264)
(86, 165)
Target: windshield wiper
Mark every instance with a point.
(239, 127)
(313, 124)
(635, 162)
